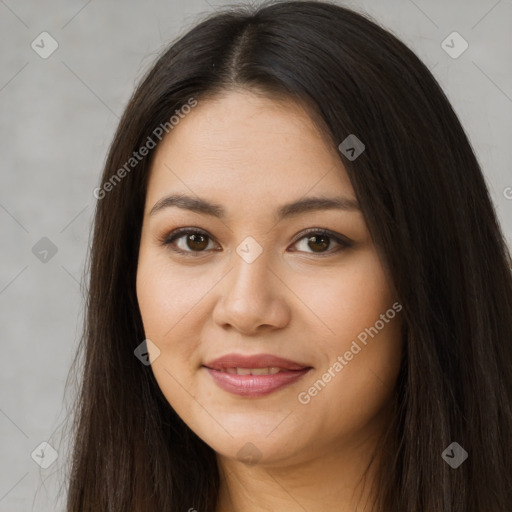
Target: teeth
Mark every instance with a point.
(253, 371)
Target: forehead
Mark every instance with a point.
(241, 145)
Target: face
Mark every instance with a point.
(234, 272)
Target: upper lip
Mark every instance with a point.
(254, 361)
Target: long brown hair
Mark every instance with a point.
(428, 210)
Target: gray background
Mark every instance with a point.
(58, 116)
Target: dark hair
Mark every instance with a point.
(429, 213)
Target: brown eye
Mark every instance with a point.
(196, 242)
(188, 241)
(320, 241)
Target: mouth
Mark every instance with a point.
(257, 382)
(269, 370)
(256, 375)
(255, 361)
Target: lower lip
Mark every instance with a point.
(255, 385)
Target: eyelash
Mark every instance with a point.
(180, 232)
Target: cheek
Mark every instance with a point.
(349, 299)
(166, 301)
(351, 303)
(167, 295)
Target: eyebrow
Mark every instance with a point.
(305, 205)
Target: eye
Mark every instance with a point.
(194, 241)
(318, 240)
(189, 241)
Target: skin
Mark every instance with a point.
(298, 300)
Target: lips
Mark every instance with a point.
(254, 376)
(254, 361)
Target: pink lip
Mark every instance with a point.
(254, 361)
(255, 385)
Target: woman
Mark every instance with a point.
(300, 297)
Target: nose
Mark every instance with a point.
(253, 298)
